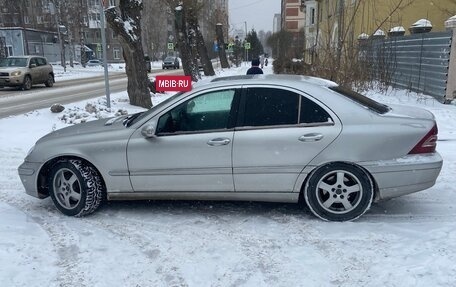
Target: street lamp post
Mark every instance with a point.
(105, 58)
(246, 52)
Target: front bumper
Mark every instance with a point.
(28, 172)
(404, 175)
(11, 81)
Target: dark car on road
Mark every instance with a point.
(170, 62)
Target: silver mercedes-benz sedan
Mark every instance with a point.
(256, 138)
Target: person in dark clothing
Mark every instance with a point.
(255, 69)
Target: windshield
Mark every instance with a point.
(169, 59)
(148, 112)
(13, 62)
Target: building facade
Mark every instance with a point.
(77, 24)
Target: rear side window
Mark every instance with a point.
(312, 113)
(270, 107)
(362, 100)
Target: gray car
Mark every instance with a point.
(25, 71)
(256, 138)
(170, 62)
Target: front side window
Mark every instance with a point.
(41, 61)
(210, 111)
(270, 107)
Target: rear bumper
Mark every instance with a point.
(404, 175)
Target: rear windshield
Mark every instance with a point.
(363, 100)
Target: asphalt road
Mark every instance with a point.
(13, 101)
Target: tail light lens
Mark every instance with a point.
(428, 143)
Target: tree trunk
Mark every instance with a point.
(127, 24)
(221, 44)
(192, 20)
(190, 69)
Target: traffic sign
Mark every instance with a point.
(247, 45)
(170, 46)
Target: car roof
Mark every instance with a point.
(26, 57)
(270, 79)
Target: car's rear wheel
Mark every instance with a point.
(27, 85)
(75, 187)
(339, 192)
(50, 81)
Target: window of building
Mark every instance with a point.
(39, 19)
(312, 16)
(112, 3)
(9, 51)
(116, 53)
(26, 20)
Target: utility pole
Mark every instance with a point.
(105, 58)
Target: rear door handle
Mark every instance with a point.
(219, 142)
(312, 137)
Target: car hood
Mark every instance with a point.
(92, 127)
(409, 112)
(10, 69)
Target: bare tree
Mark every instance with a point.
(154, 27)
(190, 67)
(125, 21)
(195, 34)
(221, 46)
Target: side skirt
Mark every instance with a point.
(216, 196)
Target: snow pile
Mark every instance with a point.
(421, 23)
(397, 29)
(407, 241)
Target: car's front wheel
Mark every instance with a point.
(27, 85)
(339, 192)
(76, 188)
(50, 81)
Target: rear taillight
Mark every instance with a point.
(428, 143)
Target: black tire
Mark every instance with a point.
(70, 179)
(27, 85)
(339, 192)
(50, 81)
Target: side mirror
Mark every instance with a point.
(148, 131)
(32, 65)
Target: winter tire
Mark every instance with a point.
(27, 85)
(75, 187)
(50, 81)
(339, 192)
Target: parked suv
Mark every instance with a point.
(25, 71)
(170, 62)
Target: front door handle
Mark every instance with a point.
(312, 137)
(219, 142)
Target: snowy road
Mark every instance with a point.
(408, 241)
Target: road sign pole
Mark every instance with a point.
(105, 58)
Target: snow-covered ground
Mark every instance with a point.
(408, 241)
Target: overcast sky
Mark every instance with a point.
(258, 14)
